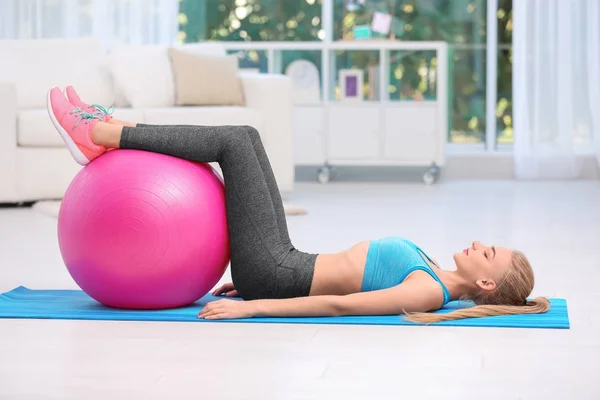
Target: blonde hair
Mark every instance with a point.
(509, 297)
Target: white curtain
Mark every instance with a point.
(556, 86)
(127, 21)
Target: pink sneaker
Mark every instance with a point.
(75, 126)
(95, 109)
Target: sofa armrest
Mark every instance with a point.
(271, 95)
(8, 142)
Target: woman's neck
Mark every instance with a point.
(458, 286)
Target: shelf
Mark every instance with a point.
(387, 57)
(338, 45)
(384, 45)
(369, 103)
(273, 45)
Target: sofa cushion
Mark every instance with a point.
(205, 116)
(143, 72)
(143, 75)
(36, 130)
(204, 80)
(38, 64)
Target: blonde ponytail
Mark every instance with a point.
(509, 298)
(535, 306)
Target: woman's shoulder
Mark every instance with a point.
(428, 288)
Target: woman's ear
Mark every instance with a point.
(486, 284)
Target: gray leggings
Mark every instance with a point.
(264, 263)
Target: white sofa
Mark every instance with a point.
(35, 165)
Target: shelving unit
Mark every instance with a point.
(379, 132)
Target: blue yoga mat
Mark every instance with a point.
(74, 304)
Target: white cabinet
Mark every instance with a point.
(372, 133)
(411, 134)
(309, 133)
(353, 132)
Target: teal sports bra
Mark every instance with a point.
(390, 260)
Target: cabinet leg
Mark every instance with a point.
(324, 174)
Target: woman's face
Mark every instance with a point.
(484, 265)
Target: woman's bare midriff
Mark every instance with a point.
(340, 273)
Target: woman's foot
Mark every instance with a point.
(95, 109)
(75, 126)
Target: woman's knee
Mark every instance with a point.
(253, 133)
(238, 136)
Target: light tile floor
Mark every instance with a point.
(556, 224)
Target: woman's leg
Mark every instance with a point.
(265, 166)
(263, 262)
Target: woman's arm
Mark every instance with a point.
(410, 296)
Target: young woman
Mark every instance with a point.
(385, 276)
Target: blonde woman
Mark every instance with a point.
(385, 276)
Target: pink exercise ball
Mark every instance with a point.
(140, 230)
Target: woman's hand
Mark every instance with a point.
(227, 289)
(227, 309)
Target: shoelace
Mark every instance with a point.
(101, 110)
(83, 115)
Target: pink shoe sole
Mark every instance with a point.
(73, 149)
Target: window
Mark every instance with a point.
(504, 122)
(460, 23)
(250, 20)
